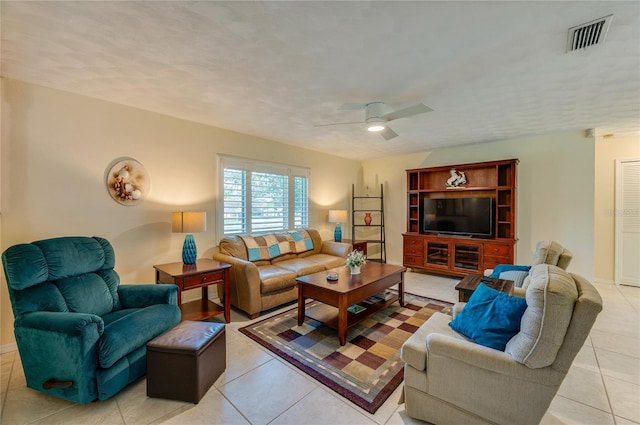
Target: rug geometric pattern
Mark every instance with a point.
(368, 368)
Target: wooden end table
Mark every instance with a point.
(471, 281)
(202, 274)
(337, 296)
(357, 245)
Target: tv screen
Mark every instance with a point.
(468, 216)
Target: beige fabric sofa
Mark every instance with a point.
(262, 284)
(449, 379)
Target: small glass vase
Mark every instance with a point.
(355, 269)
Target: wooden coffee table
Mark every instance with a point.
(337, 296)
(471, 281)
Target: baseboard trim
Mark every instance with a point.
(604, 281)
(8, 348)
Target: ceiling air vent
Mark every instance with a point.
(589, 34)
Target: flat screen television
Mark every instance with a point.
(466, 216)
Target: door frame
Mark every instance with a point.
(618, 211)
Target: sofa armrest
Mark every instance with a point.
(245, 283)
(339, 249)
(145, 295)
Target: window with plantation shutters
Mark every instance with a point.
(260, 197)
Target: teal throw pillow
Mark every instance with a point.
(490, 318)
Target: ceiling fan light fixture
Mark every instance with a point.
(375, 124)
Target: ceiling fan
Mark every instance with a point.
(376, 119)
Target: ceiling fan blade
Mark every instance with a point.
(339, 123)
(388, 134)
(409, 111)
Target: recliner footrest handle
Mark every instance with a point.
(54, 383)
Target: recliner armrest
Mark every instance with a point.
(145, 295)
(478, 356)
(68, 323)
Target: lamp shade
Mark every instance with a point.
(189, 222)
(337, 216)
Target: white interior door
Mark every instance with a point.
(627, 219)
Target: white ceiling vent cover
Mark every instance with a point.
(589, 34)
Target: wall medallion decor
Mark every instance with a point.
(127, 181)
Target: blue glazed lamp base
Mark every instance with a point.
(337, 233)
(189, 251)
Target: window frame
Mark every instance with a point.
(249, 166)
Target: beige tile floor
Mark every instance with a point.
(603, 386)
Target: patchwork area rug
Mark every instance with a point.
(368, 368)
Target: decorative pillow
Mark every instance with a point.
(551, 295)
(507, 267)
(265, 247)
(490, 318)
(517, 276)
(302, 241)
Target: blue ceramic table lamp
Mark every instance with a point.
(337, 216)
(189, 222)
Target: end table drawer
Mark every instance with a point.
(203, 279)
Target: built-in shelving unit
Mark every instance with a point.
(461, 255)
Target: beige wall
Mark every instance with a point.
(57, 146)
(555, 191)
(608, 150)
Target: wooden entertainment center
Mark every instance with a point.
(459, 254)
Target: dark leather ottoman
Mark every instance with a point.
(184, 362)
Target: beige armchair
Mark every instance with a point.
(448, 379)
(547, 252)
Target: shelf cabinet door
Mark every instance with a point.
(437, 254)
(467, 257)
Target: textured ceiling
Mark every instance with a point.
(490, 70)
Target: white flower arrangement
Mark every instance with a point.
(356, 259)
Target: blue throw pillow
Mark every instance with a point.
(506, 268)
(490, 318)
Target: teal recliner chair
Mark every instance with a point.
(81, 335)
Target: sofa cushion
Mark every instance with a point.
(274, 278)
(301, 266)
(551, 295)
(132, 331)
(118, 314)
(490, 318)
(266, 247)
